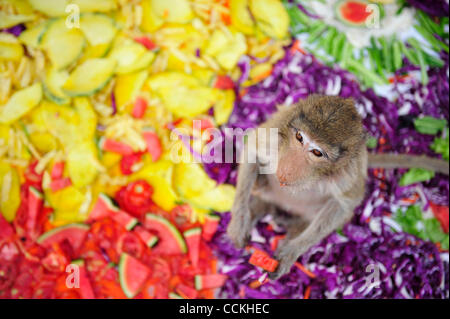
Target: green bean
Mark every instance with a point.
(338, 43)
(316, 31)
(420, 56)
(411, 55)
(396, 52)
(347, 51)
(386, 55)
(435, 43)
(364, 72)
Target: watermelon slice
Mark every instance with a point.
(57, 170)
(109, 145)
(173, 295)
(153, 144)
(85, 290)
(170, 240)
(262, 259)
(140, 105)
(193, 237)
(149, 239)
(132, 275)
(124, 219)
(35, 203)
(6, 229)
(353, 12)
(209, 281)
(186, 292)
(73, 233)
(59, 184)
(102, 208)
(210, 226)
(223, 82)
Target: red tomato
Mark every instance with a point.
(129, 243)
(128, 161)
(8, 273)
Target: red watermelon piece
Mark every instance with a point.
(132, 275)
(186, 292)
(110, 145)
(223, 82)
(153, 144)
(193, 238)
(6, 229)
(85, 290)
(35, 203)
(171, 241)
(149, 239)
(124, 219)
(209, 281)
(73, 233)
(210, 226)
(103, 208)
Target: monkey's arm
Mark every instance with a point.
(408, 161)
(241, 223)
(329, 218)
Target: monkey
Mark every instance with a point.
(320, 176)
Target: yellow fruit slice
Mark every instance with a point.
(219, 199)
(20, 103)
(51, 8)
(9, 191)
(128, 86)
(150, 21)
(43, 141)
(130, 56)
(227, 48)
(240, 16)
(52, 84)
(33, 37)
(224, 106)
(171, 79)
(177, 11)
(271, 17)
(63, 45)
(159, 175)
(89, 77)
(98, 28)
(81, 164)
(95, 6)
(88, 118)
(10, 20)
(190, 180)
(10, 51)
(68, 199)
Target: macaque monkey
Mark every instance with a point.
(320, 177)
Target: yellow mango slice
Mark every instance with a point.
(98, 28)
(227, 48)
(159, 175)
(51, 8)
(10, 51)
(130, 56)
(81, 163)
(43, 141)
(190, 180)
(9, 191)
(271, 17)
(68, 199)
(95, 6)
(219, 199)
(240, 16)
(150, 21)
(128, 86)
(10, 20)
(178, 11)
(20, 103)
(88, 118)
(224, 106)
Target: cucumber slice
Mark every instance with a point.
(63, 45)
(130, 56)
(95, 6)
(10, 20)
(97, 28)
(51, 8)
(21, 103)
(53, 82)
(33, 37)
(89, 77)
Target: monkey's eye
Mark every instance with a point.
(299, 137)
(317, 153)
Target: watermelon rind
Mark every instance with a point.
(192, 232)
(173, 295)
(54, 231)
(171, 228)
(198, 282)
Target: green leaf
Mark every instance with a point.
(444, 243)
(433, 230)
(429, 125)
(441, 145)
(416, 175)
(372, 142)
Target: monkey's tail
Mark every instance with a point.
(408, 161)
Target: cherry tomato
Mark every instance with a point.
(129, 243)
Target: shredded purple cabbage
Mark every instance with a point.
(437, 8)
(410, 267)
(15, 30)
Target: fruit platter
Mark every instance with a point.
(97, 98)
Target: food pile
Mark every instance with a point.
(98, 97)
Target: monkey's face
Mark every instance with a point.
(321, 136)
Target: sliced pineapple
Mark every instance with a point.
(130, 56)
(224, 106)
(219, 199)
(9, 191)
(20, 103)
(98, 28)
(241, 18)
(81, 163)
(10, 51)
(176, 11)
(10, 20)
(190, 180)
(128, 86)
(271, 17)
(51, 8)
(150, 21)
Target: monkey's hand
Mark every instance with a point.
(239, 227)
(286, 255)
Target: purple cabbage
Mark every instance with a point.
(15, 30)
(410, 267)
(437, 8)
